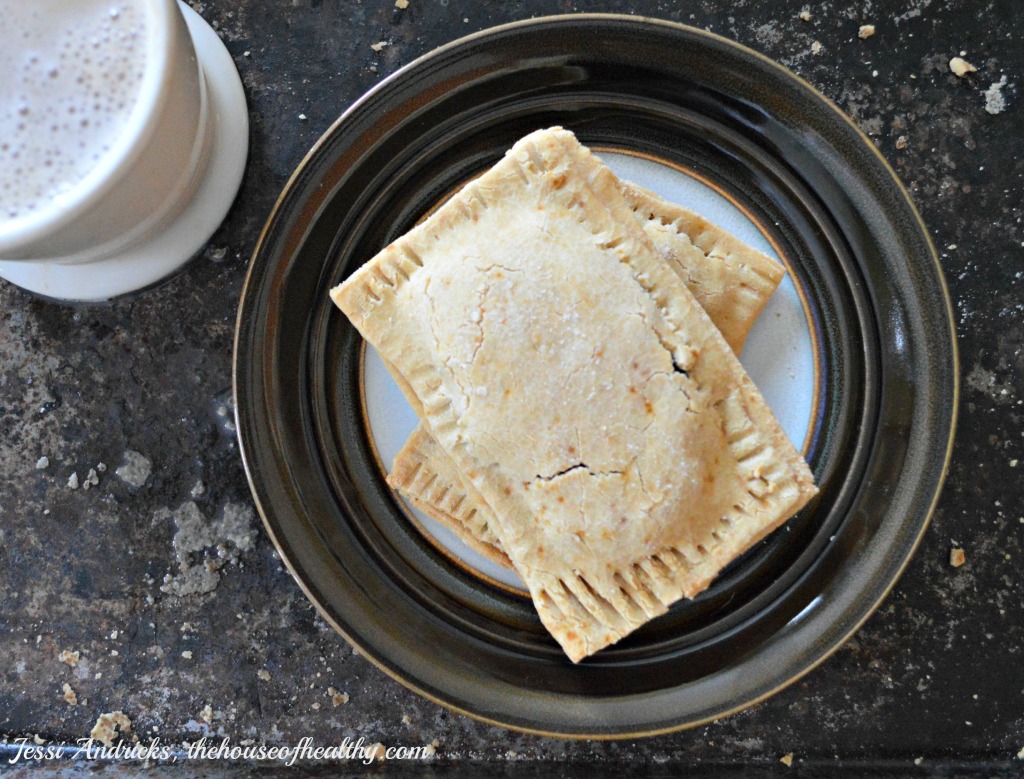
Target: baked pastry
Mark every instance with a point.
(729, 279)
(622, 453)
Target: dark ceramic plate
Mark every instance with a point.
(885, 387)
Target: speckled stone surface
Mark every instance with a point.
(934, 682)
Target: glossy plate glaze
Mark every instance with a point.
(879, 406)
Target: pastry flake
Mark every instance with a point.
(623, 452)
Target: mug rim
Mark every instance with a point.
(110, 169)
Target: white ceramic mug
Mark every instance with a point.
(173, 166)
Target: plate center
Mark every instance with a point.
(778, 354)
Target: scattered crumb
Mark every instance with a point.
(207, 713)
(218, 255)
(787, 760)
(101, 467)
(816, 47)
(91, 479)
(246, 53)
(69, 657)
(43, 463)
(805, 14)
(198, 489)
(1020, 755)
(373, 68)
(70, 695)
(135, 469)
(401, 4)
(263, 674)
(406, 719)
(435, 743)
(73, 481)
(302, 117)
(957, 557)
(901, 142)
(961, 67)
(429, 750)
(99, 675)
(37, 740)
(918, 760)
(376, 751)
(202, 546)
(866, 31)
(187, 654)
(108, 725)
(379, 45)
(337, 698)
(113, 653)
(1013, 463)
(995, 100)
(316, 706)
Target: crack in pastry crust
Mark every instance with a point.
(599, 557)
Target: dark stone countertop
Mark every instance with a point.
(935, 677)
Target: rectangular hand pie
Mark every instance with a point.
(622, 454)
(729, 279)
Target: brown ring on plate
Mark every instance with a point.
(880, 313)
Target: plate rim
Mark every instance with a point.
(945, 303)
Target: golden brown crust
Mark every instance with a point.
(729, 279)
(573, 379)
(427, 476)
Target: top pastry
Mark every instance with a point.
(578, 386)
(729, 279)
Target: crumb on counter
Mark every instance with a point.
(957, 557)
(961, 67)
(787, 759)
(401, 4)
(135, 468)
(73, 481)
(70, 696)
(805, 14)
(43, 463)
(379, 46)
(901, 142)
(866, 31)
(995, 100)
(70, 657)
(91, 479)
(816, 47)
(109, 725)
(263, 674)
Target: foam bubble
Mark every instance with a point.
(65, 60)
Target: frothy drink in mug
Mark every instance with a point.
(123, 139)
(70, 74)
